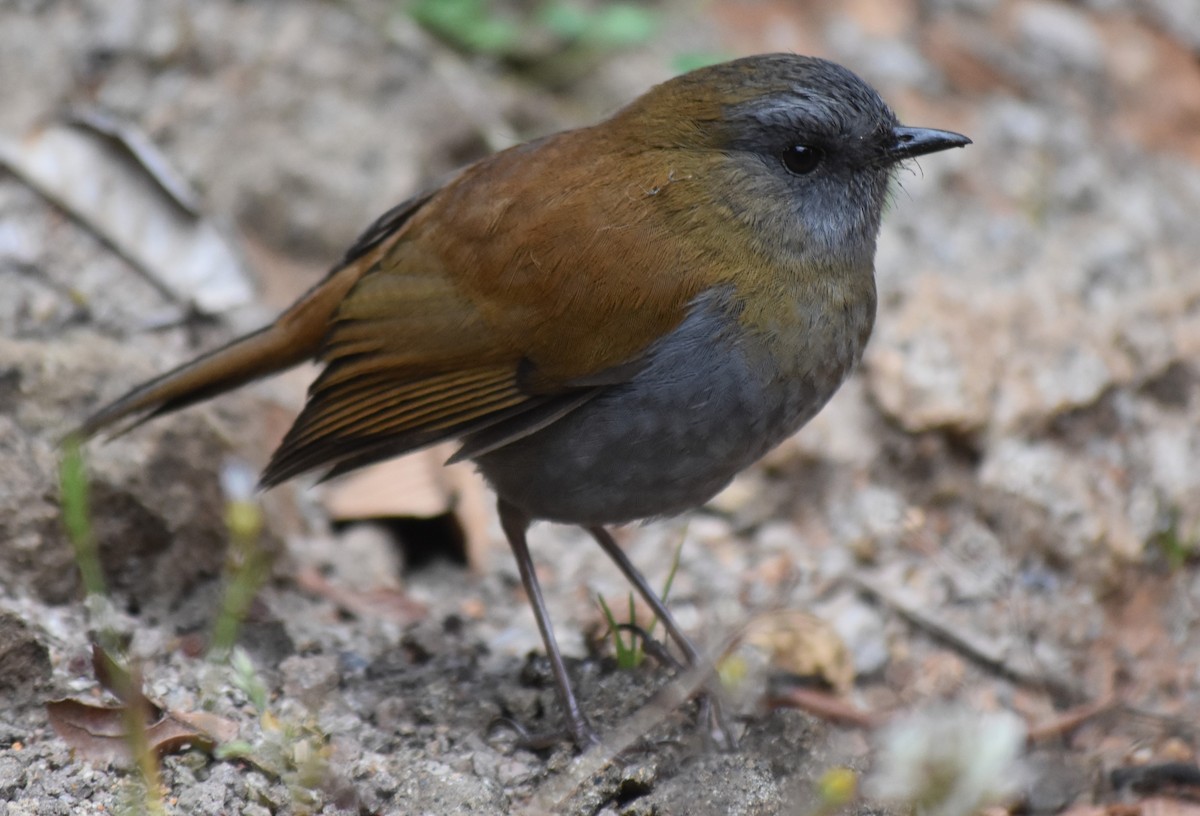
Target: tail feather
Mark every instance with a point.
(245, 359)
(295, 337)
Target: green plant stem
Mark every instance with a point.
(248, 569)
(73, 491)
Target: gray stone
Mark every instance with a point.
(861, 628)
(1061, 36)
(310, 678)
(12, 777)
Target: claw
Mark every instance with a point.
(579, 733)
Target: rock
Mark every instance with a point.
(12, 778)
(724, 785)
(1059, 36)
(861, 628)
(210, 795)
(366, 557)
(1079, 503)
(24, 658)
(310, 678)
(1180, 17)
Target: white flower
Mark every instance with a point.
(949, 761)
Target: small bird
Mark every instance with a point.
(613, 321)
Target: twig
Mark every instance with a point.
(1070, 720)
(985, 652)
(826, 707)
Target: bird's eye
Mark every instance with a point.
(802, 159)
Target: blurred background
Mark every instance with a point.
(1001, 510)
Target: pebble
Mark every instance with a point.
(861, 628)
(1060, 36)
(12, 777)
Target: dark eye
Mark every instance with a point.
(802, 159)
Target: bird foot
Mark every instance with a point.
(711, 717)
(579, 733)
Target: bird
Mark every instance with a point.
(612, 321)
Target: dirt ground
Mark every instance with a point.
(999, 513)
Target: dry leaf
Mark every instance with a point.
(803, 645)
(825, 706)
(144, 152)
(117, 186)
(419, 485)
(97, 732)
(1168, 806)
(220, 729)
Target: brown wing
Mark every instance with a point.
(374, 418)
(511, 309)
(407, 365)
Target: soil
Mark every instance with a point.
(1000, 512)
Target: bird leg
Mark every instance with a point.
(655, 648)
(691, 653)
(515, 524)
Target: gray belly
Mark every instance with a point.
(709, 402)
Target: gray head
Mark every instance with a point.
(811, 147)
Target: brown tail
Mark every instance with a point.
(293, 338)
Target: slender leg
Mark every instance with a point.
(609, 545)
(515, 524)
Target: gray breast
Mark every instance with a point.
(710, 401)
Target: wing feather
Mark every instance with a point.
(369, 397)
(347, 417)
(489, 318)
